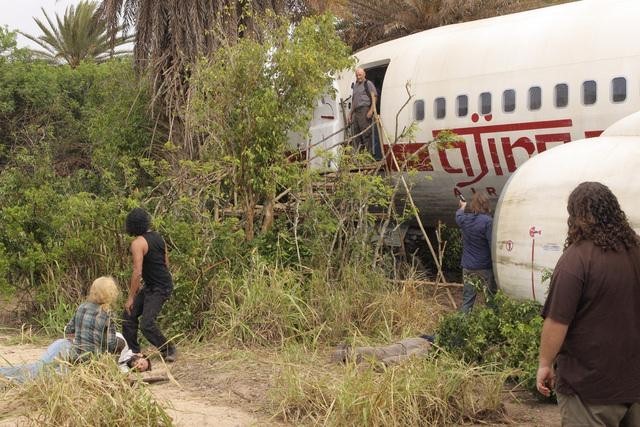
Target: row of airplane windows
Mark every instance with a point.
(589, 96)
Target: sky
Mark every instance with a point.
(18, 15)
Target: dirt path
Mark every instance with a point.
(226, 387)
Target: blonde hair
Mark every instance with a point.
(104, 292)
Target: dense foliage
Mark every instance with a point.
(79, 150)
(507, 334)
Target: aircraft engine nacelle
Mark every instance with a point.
(530, 222)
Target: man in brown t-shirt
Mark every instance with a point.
(592, 315)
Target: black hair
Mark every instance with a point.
(133, 359)
(137, 222)
(595, 215)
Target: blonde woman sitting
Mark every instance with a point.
(90, 331)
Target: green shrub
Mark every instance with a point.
(508, 334)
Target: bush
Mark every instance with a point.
(507, 334)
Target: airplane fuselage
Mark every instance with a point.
(511, 87)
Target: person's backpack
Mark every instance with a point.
(367, 91)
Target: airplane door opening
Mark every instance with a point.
(376, 76)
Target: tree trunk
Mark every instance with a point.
(249, 215)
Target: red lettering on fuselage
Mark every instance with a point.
(544, 133)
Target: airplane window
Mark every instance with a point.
(439, 108)
(485, 103)
(418, 110)
(462, 105)
(535, 98)
(619, 89)
(509, 101)
(562, 95)
(589, 92)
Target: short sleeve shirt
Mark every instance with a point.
(597, 293)
(360, 97)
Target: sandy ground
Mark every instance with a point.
(201, 400)
(225, 388)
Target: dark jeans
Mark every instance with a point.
(147, 305)
(470, 278)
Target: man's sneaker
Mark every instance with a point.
(170, 354)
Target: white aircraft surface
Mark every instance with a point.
(530, 223)
(512, 87)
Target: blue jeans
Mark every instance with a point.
(59, 349)
(469, 277)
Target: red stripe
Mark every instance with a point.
(511, 127)
(533, 290)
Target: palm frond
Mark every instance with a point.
(79, 35)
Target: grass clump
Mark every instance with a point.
(436, 390)
(95, 393)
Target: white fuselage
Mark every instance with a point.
(541, 70)
(530, 224)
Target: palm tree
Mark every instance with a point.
(172, 35)
(367, 22)
(79, 35)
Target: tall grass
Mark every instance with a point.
(424, 391)
(95, 393)
(273, 306)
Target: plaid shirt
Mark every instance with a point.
(94, 330)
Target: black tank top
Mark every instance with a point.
(154, 268)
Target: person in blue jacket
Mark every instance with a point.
(476, 223)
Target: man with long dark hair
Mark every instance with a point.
(592, 315)
(476, 225)
(150, 286)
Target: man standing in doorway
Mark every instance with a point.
(363, 101)
(591, 333)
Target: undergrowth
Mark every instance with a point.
(95, 393)
(435, 390)
(507, 335)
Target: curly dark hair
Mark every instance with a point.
(138, 222)
(595, 215)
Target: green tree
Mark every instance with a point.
(248, 96)
(171, 36)
(81, 34)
